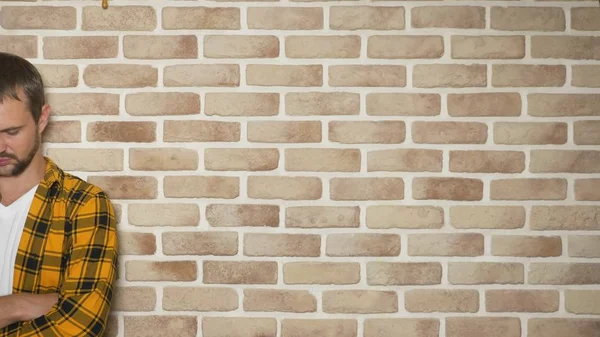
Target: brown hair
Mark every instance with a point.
(17, 73)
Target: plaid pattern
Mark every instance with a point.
(69, 247)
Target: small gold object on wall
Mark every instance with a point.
(105, 4)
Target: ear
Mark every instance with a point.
(44, 118)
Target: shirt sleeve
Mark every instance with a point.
(91, 265)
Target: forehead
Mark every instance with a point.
(13, 111)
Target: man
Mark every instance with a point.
(58, 241)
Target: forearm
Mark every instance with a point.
(9, 310)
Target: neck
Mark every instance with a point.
(12, 188)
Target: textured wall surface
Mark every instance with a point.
(334, 168)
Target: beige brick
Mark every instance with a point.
(120, 76)
(160, 47)
(582, 301)
(479, 161)
(91, 160)
(313, 47)
(467, 244)
(460, 17)
(242, 104)
(322, 217)
(202, 75)
(586, 75)
(441, 300)
(38, 17)
(161, 270)
(563, 105)
(284, 131)
(367, 76)
(134, 132)
(584, 246)
(22, 45)
(80, 47)
(487, 217)
(132, 243)
(403, 273)
(526, 246)
(201, 131)
(565, 47)
(112, 326)
(585, 18)
(62, 132)
(530, 133)
(165, 104)
(154, 214)
(238, 272)
(449, 132)
(405, 217)
(241, 46)
(127, 187)
(555, 327)
(322, 160)
(359, 301)
(378, 132)
(322, 103)
(405, 47)
(132, 298)
(449, 75)
(567, 217)
(366, 188)
(200, 243)
(285, 187)
(366, 17)
(276, 300)
(269, 244)
(524, 75)
(201, 17)
(284, 75)
(484, 105)
(118, 212)
(286, 18)
(223, 187)
(483, 326)
(582, 161)
(245, 215)
(248, 159)
(355, 244)
(564, 273)
(528, 189)
(163, 159)
(321, 273)
(406, 160)
(587, 189)
(528, 18)
(138, 326)
(180, 298)
(401, 104)
(291, 327)
(419, 327)
(119, 18)
(239, 327)
(488, 47)
(59, 76)
(83, 104)
(463, 189)
(586, 132)
(485, 273)
(521, 300)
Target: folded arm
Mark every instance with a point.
(86, 293)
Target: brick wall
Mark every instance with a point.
(349, 168)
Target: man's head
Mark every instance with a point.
(23, 114)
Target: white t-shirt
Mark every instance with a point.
(12, 222)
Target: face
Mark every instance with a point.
(20, 136)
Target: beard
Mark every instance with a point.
(22, 164)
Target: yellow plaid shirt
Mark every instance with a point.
(69, 246)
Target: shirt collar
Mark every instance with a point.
(53, 175)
